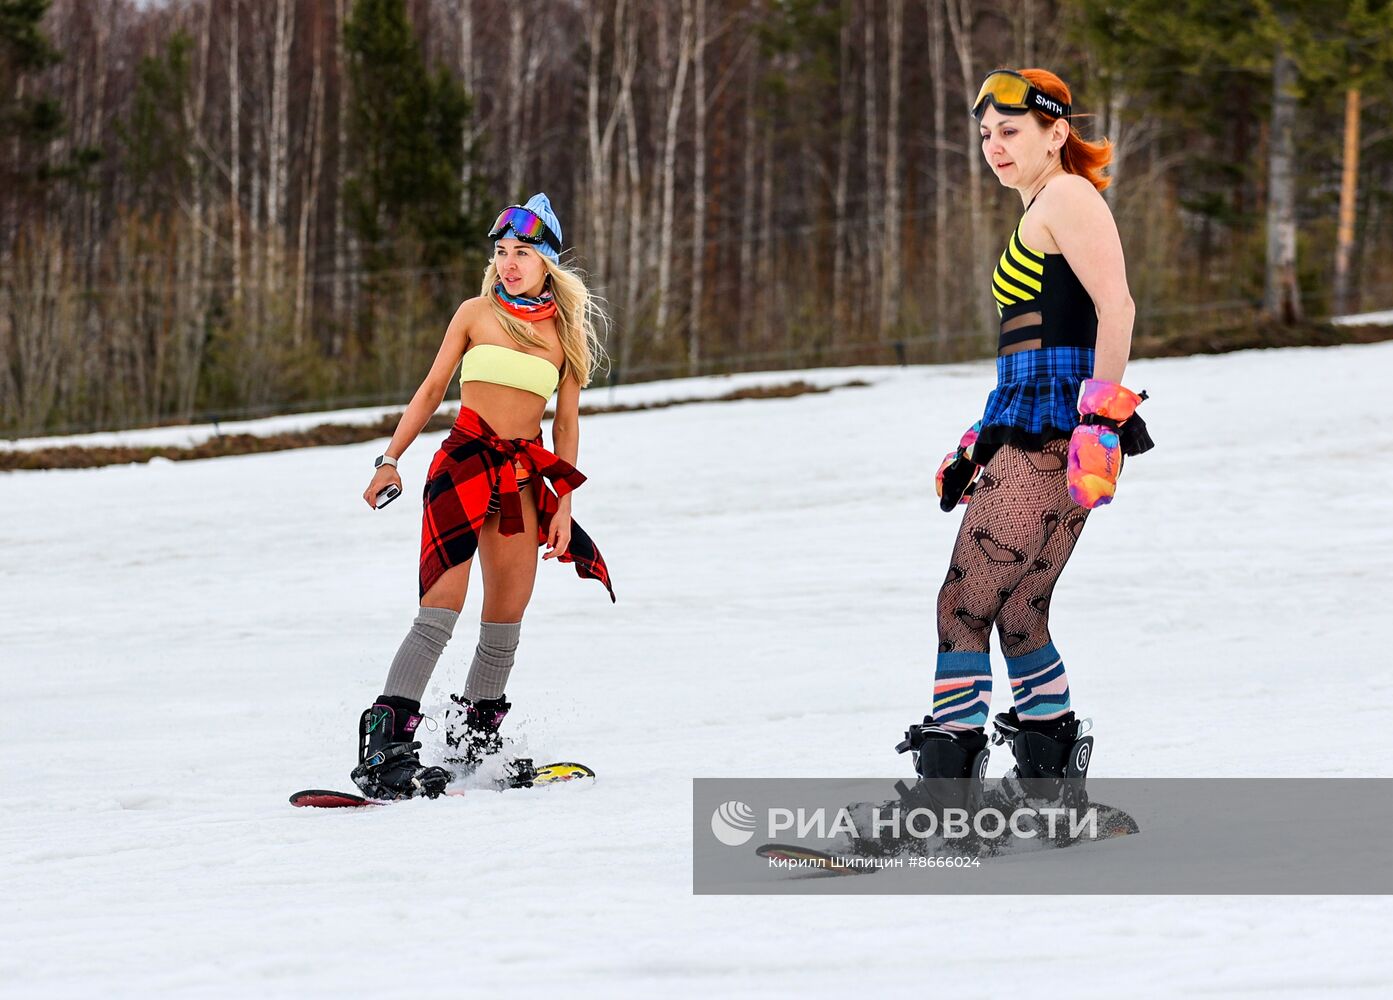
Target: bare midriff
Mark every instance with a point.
(512, 413)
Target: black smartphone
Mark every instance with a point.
(387, 496)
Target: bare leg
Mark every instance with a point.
(450, 589)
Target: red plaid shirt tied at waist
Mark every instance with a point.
(473, 464)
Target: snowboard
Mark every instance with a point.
(525, 775)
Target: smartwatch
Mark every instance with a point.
(382, 460)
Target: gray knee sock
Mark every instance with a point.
(493, 660)
(415, 660)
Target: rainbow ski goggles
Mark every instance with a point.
(1012, 93)
(526, 226)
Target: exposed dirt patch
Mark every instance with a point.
(336, 434)
(1249, 336)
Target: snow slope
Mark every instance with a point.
(186, 643)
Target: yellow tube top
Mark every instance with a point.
(505, 366)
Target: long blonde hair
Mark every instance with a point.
(579, 320)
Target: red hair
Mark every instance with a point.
(1079, 156)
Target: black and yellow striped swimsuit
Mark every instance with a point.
(1041, 301)
(1049, 330)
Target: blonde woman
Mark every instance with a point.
(530, 333)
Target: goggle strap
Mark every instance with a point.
(502, 224)
(1033, 99)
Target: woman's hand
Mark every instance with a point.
(559, 534)
(384, 477)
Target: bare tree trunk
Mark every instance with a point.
(615, 215)
(234, 110)
(1349, 193)
(342, 251)
(517, 21)
(256, 204)
(744, 288)
(91, 123)
(940, 187)
(960, 17)
(841, 224)
(674, 111)
(309, 198)
(1112, 120)
(634, 192)
(874, 236)
(194, 277)
(1025, 32)
(595, 160)
(471, 129)
(770, 293)
(1282, 297)
(532, 97)
(890, 276)
(694, 315)
(278, 141)
(657, 97)
(598, 143)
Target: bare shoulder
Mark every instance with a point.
(1074, 210)
(1071, 191)
(468, 315)
(470, 308)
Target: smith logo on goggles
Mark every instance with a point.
(1012, 93)
(526, 226)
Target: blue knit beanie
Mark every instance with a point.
(540, 205)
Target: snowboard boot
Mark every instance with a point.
(951, 765)
(388, 763)
(1052, 759)
(471, 731)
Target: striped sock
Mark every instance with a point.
(962, 690)
(1038, 684)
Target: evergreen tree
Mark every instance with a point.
(24, 49)
(406, 128)
(156, 133)
(1234, 71)
(35, 120)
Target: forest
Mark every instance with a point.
(222, 208)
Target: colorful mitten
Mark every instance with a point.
(958, 472)
(1095, 450)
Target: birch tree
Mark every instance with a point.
(669, 170)
(698, 262)
(960, 27)
(875, 235)
(278, 142)
(891, 258)
(234, 114)
(841, 221)
(1282, 293)
(938, 82)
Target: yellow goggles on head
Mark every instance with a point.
(1012, 93)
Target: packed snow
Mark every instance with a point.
(186, 643)
(1382, 318)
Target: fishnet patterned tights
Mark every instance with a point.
(1018, 532)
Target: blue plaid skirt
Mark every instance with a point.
(1036, 399)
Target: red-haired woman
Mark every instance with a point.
(1047, 449)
